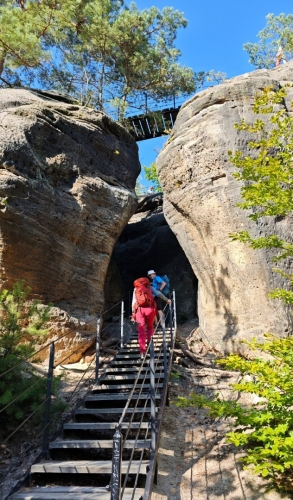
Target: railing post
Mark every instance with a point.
(152, 394)
(98, 340)
(116, 465)
(163, 321)
(171, 323)
(48, 398)
(174, 315)
(122, 323)
(165, 355)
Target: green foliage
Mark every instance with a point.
(219, 77)
(267, 175)
(20, 322)
(265, 428)
(23, 393)
(278, 31)
(140, 188)
(99, 51)
(151, 175)
(22, 389)
(175, 375)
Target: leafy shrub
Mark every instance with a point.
(264, 429)
(22, 388)
(151, 175)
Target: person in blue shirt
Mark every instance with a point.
(157, 282)
(159, 285)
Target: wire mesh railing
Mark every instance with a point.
(52, 419)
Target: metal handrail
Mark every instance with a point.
(153, 397)
(153, 458)
(57, 340)
(117, 489)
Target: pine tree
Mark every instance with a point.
(100, 51)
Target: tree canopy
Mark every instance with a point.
(102, 52)
(151, 175)
(277, 32)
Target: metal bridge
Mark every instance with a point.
(150, 125)
(108, 450)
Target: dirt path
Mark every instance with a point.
(194, 460)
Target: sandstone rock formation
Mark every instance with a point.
(67, 177)
(200, 197)
(146, 243)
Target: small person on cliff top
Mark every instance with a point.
(144, 310)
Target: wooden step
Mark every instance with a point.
(130, 369)
(101, 426)
(130, 376)
(157, 338)
(87, 467)
(124, 387)
(102, 444)
(101, 411)
(134, 362)
(136, 355)
(72, 493)
(118, 397)
(130, 350)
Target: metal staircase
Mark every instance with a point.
(108, 450)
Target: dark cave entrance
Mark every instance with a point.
(147, 242)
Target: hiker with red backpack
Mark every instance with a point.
(144, 310)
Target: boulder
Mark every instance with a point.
(200, 206)
(67, 178)
(147, 243)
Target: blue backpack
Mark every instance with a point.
(166, 288)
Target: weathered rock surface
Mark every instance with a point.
(200, 197)
(146, 243)
(67, 177)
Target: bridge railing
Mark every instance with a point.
(152, 124)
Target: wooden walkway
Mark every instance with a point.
(79, 463)
(151, 125)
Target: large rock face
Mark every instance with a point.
(67, 176)
(200, 206)
(147, 243)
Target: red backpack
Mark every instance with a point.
(143, 293)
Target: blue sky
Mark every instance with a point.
(214, 38)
